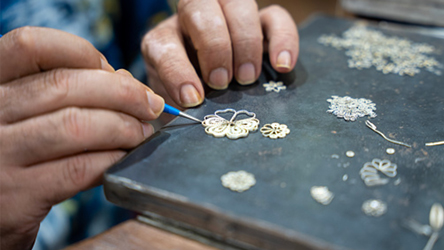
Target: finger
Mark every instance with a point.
(204, 22)
(164, 50)
(61, 179)
(52, 90)
(29, 50)
(282, 36)
(67, 132)
(246, 37)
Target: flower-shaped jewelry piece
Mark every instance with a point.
(238, 181)
(219, 127)
(350, 109)
(274, 86)
(369, 172)
(321, 194)
(275, 130)
(374, 208)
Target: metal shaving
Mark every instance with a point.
(389, 54)
(239, 181)
(350, 109)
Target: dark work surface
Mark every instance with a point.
(183, 160)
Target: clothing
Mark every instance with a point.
(116, 29)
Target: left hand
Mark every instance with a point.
(226, 38)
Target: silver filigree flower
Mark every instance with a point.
(369, 172)
(350, 109)
(239, 181)
(274, 86)
(233, 129)
(275, 130)
(374, 208)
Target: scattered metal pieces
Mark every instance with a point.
(345, 177)
(321, 194)
(368, 48)
(369, 172)
(390, 151)
(350, 109)
(275, 130)
(374, 208)
(430, 144)
(219, 127)
(239, 181)
(274, 86)
(350, 154)
(373, 127)
(436, 220)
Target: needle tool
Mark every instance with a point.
(173, 111)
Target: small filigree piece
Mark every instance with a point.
(274, 86)
(321, 194)
(233, 129)
(350, 154)
(372, 126)
(275, 130)
(239, 181)
(374, 208)
(369, 172)
(350, 109)
(390, 151)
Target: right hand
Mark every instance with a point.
(65, 116)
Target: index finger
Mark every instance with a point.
(30, 50)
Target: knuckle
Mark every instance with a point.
(127, 91)
(57, 81)
(215, 44)
(75, 123)
(75, 171)
(23, 38)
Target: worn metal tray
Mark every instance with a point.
(176, 173)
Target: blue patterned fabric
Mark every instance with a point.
(116, 29)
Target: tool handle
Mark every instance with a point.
(171, 110)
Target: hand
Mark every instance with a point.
(226, 39)
(65, 116)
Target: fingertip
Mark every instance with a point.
(156, 103)
(246, 74)
(189, 96)
(283, 61)
(105, 65)
(147, 129)
(219, 79)
(124, 72)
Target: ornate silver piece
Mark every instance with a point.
(233, 129)
(350, 109)
(239, 181)
(274, 86)
(374, 208)
(321, 194)
(369, 172)
(275, 130)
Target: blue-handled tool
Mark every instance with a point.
(173, 111)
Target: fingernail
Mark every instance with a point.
(284, 60)
(105, 65)
(246, 74)
(124, 72)
(189, 96)
(148, 129)
(219, 78)
(156, 103)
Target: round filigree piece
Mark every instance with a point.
(239, 181)
(275, 130)
(218, 126)
(350, 109)
(390, 151)
(321, 194)
(274, 86)
(374, 208)
(350, 154)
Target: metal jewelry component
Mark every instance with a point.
(239, 181)
(275, 130)
(321, 194)
(373, 127)
(350, 109)
(369, 172)
(390, 151)
(350, 154)
(368, 48)
(374, 208)
(219, 127)
(436, 220)
(274, 86)
(429, 144)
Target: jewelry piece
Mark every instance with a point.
(219, 127)
(374, 208)
(350, 154)
(390, 151)
(369, 172)
(274, 86)
(373, 127)
(321, 194)
(239, 181)
(275, 130)
(436, 220)
(368, 48)
(429, 144)
(350, 109)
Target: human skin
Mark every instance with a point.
(225, 39)
(65, 116)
